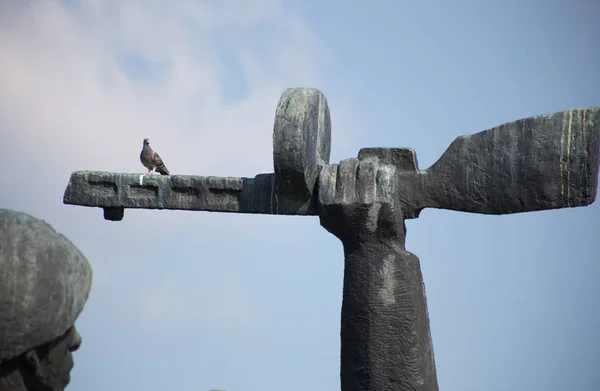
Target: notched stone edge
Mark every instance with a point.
(115, 192)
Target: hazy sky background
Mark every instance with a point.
(193, 301)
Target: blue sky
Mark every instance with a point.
(196, 301)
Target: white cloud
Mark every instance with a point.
(62, 86)
(67, 105)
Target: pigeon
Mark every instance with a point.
(151, 160)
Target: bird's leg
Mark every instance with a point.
(149, 173)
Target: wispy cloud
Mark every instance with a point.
(82, 83)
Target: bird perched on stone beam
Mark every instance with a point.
(151, 160)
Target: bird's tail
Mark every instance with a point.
(162, 170)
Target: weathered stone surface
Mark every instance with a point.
(544, 162)
(301, 146)
(301, 143)
(185, 192)
(44, 368)
(404, 159)
(44, 283)
(406, 164)
(385, 333)
(538, 163)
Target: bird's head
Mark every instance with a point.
(146, 142)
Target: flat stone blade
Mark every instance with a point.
(538, 163)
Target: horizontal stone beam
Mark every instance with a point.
(544, 162)
(115, 191)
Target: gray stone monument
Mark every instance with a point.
(538, 163)
(44, 283)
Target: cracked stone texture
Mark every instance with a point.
(44, 283)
